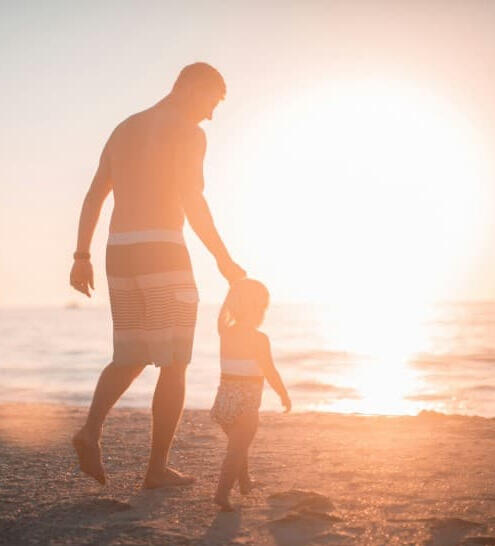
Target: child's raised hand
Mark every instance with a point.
(286, 402)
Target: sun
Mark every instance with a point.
(365, 195)
(359, 187)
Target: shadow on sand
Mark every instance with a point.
(223, 529)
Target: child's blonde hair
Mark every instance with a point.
(246, 301)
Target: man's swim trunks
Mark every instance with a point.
(153, 297)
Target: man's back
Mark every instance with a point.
(149, 156)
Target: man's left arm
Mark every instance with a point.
(197, 210)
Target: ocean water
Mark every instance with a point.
(382, 360)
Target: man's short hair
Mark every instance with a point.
(202, 76)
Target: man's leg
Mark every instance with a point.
(168, 402)
(113, 382)
(245, 482)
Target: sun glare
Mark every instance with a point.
(375, 186)
(378, 214)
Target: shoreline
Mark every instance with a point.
(327, 479)
(423, 414)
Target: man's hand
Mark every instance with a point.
(81, 276)
(231, 271)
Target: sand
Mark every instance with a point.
(327, 479)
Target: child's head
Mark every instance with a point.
(246, 303)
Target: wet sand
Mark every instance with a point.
(327, 479)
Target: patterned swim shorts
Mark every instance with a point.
(236, 398)
(153, 297)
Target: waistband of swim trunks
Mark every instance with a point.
(146, 236)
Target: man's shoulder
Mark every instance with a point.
(166, 126)
(191, 138)
(198, 136)
(130, 121)
(261, 339)
(132, 124)
(122, 127)
(191, 130)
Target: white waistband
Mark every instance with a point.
(147, 236)
(240, 367)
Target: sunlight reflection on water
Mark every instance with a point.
(359, 357)
(386, 338)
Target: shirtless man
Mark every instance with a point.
(153, 162)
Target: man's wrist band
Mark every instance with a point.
(82, 255)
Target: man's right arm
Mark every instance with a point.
(81, 276)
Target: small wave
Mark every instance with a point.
(315, 355)
(488, 357)
(452, 377)
(428, 397)
(482, 388)
(447, 361)
(337, 392)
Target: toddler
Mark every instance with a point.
(245, 360)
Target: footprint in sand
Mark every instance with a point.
(450, 530)
(296, 499)
(102, 506)
(302, 516)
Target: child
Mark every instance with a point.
(245, 359)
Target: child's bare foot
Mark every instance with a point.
(224, 503)
(167, 478)
(89, 454)
(246, 486)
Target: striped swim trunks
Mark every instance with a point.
(153, 297)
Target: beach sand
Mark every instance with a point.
(327, 479)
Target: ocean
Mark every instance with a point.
(372, 361)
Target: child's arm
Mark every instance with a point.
(271, 373)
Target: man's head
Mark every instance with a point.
(199, 87)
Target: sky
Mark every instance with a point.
(352, 157)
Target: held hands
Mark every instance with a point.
(286, 402)
(230, 270)
(81, 276)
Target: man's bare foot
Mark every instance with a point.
(89, 455)
(224, 503)
(167, 478)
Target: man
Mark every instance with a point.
(153, 162)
